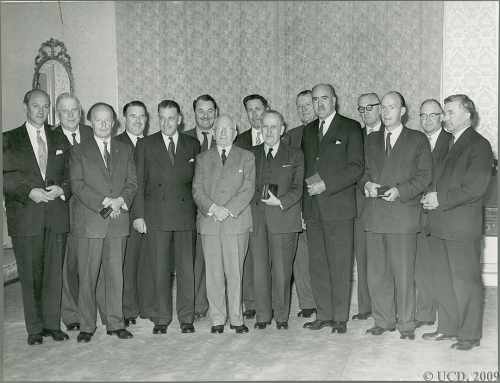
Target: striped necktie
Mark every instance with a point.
(42, 152)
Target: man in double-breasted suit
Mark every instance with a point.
(455, 224)
(69, 109)
(205, 112)
(36, 189)
(333, 156)
(165, 211)
(276, 221)
(104, 183)
(223, 187)
(137, 286)
(431, 117)
(399, 159)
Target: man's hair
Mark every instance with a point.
(369, 94)
(329, 86)
(304, 93)
(29, 93)
(432, 100)
(205, 97)
(98, 104)
(66, 95)
(134, 103)
(255, 97)
(276, 113)
(467, 104)
(400, 96)
(169, 104)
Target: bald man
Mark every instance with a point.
(104, 183)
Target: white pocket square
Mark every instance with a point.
(191, 160)
(240, 170)
(286, 165)
(337, 142)
(59, 151)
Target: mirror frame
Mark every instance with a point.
(53, 50)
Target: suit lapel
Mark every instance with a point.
(332, 130)
(26, 143)
(400, 143)
(161, 151)
(379, 150)
(95, 152)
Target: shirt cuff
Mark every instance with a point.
(211, 210)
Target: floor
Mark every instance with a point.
(294, 354)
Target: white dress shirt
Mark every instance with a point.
(328, 121)
(457, 135)
(133, 138)
(433, 138)
(255, 134)
(394, 135)
(376, 128)
(69, 134)
(201, 137)
(100, 143)
(228, 149)
(32, 133)
(166, 140)
(275, 149)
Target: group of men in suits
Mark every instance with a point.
(227, 212)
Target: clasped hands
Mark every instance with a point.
(371, 191)
(115, 203)
(316, 188)
(429, 201)
(272, 200)
(52, 192)
(220, 213)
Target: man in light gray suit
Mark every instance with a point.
(223, 186)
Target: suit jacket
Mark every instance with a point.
(21, 174)
(244, 140)
(461, 183)
(409, 168)
(293, 137)
(123, 137)
(439, 153)
(339, 162)
(164, 197)
(231, 186)
(90, 184)
(287, 171)
(86, 132)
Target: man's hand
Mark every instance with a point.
(316, 188)
(371, 189)
(38, 195)
(114, 214)
(115, 203)
(430, 201)
(54, 191)
(139, 225)
(272, 200)
(391, 195)
(220, 213)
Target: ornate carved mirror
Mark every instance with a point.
(53, 73)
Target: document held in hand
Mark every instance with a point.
(314, 179)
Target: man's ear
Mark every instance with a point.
(403, 111)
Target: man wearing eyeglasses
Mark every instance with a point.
(398, 171)
(369, 110)
(431, 117)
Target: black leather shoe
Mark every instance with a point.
(129, 321)
(35, 339)
(421, 323)
(377, 330)
(160, 329)
(75, 326)
(187, 328)
(340, 327)
(318, 324)
(219, 329)
(465, 345)
(121, 333)
(57, 335)
(84, 337)
(282, 325)
(249, 314)
(306, 313)
(239, 329)
(407, 335)
(362, 316)
(261, 325)
(437, 336)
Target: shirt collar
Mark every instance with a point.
(228, 149)
(274, 147)
(375, 128)
(175, 137)
(328, 121)
(434, 134)
(101, 141)
(457, 135)
(394, 132)
(133, 137)
(33, 128)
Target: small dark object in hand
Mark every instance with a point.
(105, 212)
(273, 188)
(381, 190)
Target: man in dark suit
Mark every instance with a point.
(36, 189)
(223, 187)
(103, 179)
(255, 105)
(137, 286)
(400, 160)
(301, 275)
(165, 211)
(369, 110)
(205, 113)
(276, 221)
(333, 155)
(455, 224)
(69, 109)
(431, 115)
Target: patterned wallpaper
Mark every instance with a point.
(470, 59)
(230, 49)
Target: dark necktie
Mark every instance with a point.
(223, 157)
(204, 146)
(452, 141)
(269, 156)
(74, 139)
(388, 148)
(107, 157)
(320, 131)
(171, 150)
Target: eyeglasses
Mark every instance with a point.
(367, 108)
(432, 116)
